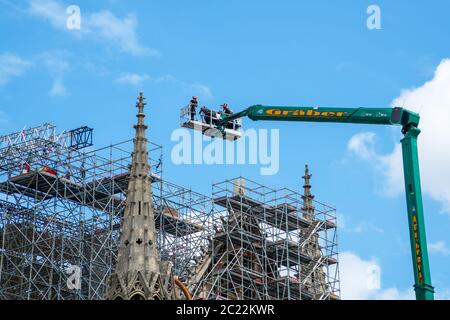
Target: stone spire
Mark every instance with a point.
(307, 197)
(315, 280)
(139, 272)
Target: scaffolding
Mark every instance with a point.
(61, 205)
(266, 246)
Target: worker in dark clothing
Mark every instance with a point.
(226, 109)
(83, 172)
(193, 104)
(206, 114)
(210, 117)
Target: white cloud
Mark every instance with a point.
(58, 66)
(361, 280)
(136, 79)
(389, 166)
(442, 294)
(164, 78)
(364, 227)
(53, 11)
(439, 247)
(55, 61)
(346, 224)
(132, 78)
(432, 100)
(200, 90)
(354, 275)
(107, 26)
(58, 88)
(395, 294)
(362, 145)
(11, 65)
(103, 25)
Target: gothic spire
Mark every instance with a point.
(139, 272)
(307, 197)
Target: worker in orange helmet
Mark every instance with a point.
(192, 107)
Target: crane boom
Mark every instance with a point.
(384, 116)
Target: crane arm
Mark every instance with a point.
(385, 116)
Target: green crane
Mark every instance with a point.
(385, 116)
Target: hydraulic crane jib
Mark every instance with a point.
(386, 116)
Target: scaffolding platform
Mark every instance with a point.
(97, 194)
(289, 287)
(240, 203)
(283, 216)
(117, 183)
(239, 238)
(44, 185)
(175, 226)
(243, 276)
(287, 252)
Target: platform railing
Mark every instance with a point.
(212, 120)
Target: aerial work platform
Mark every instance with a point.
(211, 131)
(207, 125)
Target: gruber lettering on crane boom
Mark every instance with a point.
(305, 113)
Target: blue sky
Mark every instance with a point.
(244, 53)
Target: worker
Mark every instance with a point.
(192, 107)
(226, 109)
(26, 168)
(83, 172)
(205, 113)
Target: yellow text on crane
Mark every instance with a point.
(305, 113)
